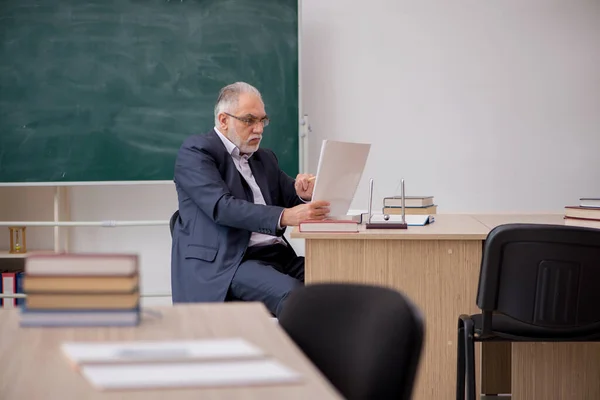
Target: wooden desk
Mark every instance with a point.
(437, 266)
(32, 366)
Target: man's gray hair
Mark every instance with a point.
(229, 95)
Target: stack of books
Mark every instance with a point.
(413, 205)
(81, 290)
(586, 214)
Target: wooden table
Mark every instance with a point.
(32, 366)
(437, 266)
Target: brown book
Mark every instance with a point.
(582, 212)
(583, 222)
(83, 301)
(411, 210)
(80, 284)
(409, 201)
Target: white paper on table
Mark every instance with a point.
(341, 165)
(160, 351)
(204, 374)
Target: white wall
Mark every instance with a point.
(488, 106)
(152, 243)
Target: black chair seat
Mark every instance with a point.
(512, 329)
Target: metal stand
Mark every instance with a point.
(385, 224)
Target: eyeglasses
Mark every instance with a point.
(251, 120)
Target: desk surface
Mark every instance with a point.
(493, 220)
(445, 227)
(32, 366)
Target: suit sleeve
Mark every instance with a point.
(197, 174)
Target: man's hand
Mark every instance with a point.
(304, 185)
(310, 211)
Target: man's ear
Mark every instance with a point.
(223, 122)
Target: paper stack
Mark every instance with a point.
(66, 289)
(173, 364)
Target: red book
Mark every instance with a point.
(329, 225)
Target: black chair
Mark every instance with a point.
(173, 220)
(537, 283)
(366, 340)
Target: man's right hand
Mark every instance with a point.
(316, 210)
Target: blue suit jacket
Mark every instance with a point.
(218, 215)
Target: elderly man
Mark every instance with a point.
(235, 203)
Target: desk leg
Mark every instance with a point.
(556, 371)
(495, 368)
(440, 276)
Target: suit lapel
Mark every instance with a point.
(258, 170)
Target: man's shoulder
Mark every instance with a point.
(202, 140)
(266, 154)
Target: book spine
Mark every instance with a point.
(19, 287)
(9, 286)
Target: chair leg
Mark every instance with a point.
(460, 362)
(469, 342)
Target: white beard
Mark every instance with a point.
(244, 147)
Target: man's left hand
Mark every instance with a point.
(304, 185)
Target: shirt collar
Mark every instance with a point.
(232, 149)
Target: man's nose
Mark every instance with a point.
(258, 128)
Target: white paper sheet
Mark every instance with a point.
(160, 351)
(341, 165)
(206, 374)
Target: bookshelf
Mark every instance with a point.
(48, 229)
(6, 254)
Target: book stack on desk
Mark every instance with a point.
(413, 205)
(586, 214)
(81, 290)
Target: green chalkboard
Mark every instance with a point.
(107, 90)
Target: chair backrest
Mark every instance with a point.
(542, 275)
(366, 340)
(173, 220)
